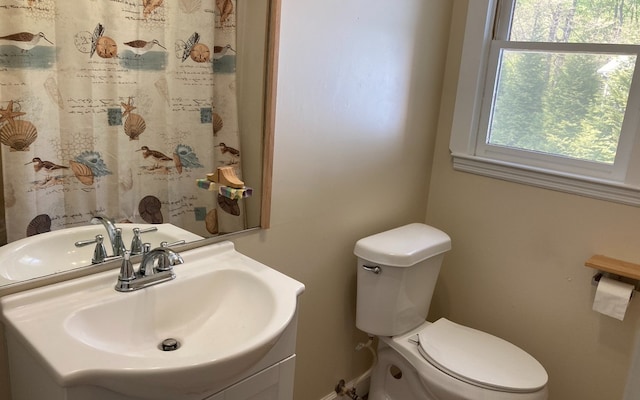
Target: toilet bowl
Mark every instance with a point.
(443, 360)
(402, 372)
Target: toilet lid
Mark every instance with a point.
(479, 358)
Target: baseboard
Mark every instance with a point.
(361, 389)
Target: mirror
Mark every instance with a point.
(253, 60)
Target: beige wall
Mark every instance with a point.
(516, 268)
(358, 102)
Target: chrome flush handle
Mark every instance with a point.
(376, 270)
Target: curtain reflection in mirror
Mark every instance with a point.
(117, 107)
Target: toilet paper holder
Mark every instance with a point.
(595, 279)
(615, 269)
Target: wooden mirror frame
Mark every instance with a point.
(270, 111)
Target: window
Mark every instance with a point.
(549, 95)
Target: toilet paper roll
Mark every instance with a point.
(612, 297)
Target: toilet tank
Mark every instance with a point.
(397, 273)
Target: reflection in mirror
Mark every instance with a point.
(148, 115)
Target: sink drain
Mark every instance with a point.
(169, 344)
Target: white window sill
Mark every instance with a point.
(575, 184)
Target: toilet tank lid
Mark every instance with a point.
(404, 246)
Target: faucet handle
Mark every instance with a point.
(82, 243)
(146, 230)
(100, 252)
(136, 242)
(127, 273)
(118, 244)
(167, 244)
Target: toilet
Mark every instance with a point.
(420, 360)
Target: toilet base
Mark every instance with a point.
(393, 378)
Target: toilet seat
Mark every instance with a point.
(479, 358)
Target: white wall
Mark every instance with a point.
(516, 268)
(358, 99)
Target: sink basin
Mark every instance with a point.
(225, 309)
(238, 307)
(52, 252)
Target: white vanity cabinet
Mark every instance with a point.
(269, 380)
(234, 318)
(274, 383)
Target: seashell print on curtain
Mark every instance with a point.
(116, 108)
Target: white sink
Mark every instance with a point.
(234, 304)
(225, 309)
(53, 252)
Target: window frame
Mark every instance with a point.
(619, 182)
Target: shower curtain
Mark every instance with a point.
(117, 107)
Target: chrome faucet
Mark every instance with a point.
(115, 237)
(160, 259)
(156, 267)
(111, 231)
